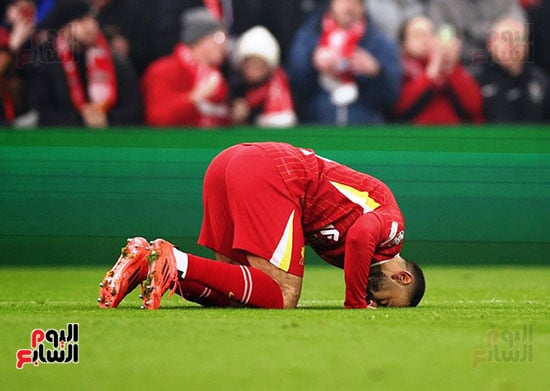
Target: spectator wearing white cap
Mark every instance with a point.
(260, 90)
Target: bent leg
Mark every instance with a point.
(203, 295)
(290, 285)
(243, 284)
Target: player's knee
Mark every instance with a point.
(291, 296)
(289, 284)
(224, 259)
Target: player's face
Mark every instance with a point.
(384, 292)
(387, 298)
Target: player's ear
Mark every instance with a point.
(402, 277)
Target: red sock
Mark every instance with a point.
(238, 283)
(200, 294)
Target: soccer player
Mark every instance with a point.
(263, 202)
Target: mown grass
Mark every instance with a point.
(453, 341)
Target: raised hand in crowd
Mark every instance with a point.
(361, 62)
(326, 62)
(206, 88)
(20, 15)
(444, 55)
(94, 116)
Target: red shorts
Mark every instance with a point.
(249, 209)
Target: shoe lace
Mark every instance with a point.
(176, 287)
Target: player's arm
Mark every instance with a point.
(362, 239)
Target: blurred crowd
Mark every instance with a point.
(217, 63)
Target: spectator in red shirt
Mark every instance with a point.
(436, 88)
(187, 88)
(260, 89)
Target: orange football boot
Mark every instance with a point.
(163, 274)
(128, 272)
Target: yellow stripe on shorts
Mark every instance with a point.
(283, 253)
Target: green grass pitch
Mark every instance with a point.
(478, 328)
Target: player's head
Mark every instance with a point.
(396, 283)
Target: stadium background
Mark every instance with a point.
(470, 195)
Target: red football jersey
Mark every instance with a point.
(349, 218)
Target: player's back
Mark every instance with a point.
(331, 193)
(343, 191)
(343, 195)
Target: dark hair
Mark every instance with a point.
(418, 286)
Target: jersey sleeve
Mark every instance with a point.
(362, 240)
(374, 237)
